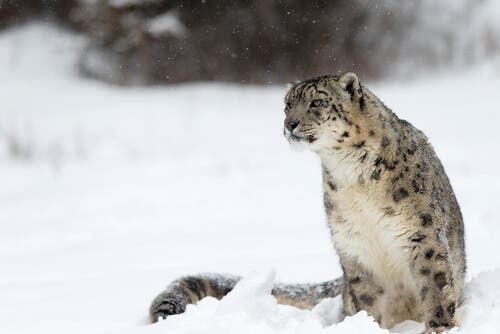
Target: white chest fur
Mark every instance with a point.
(362, 229)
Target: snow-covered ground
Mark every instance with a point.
(108, 193)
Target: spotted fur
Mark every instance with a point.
(392, 213)
(191, 289)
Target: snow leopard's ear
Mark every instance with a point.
(349, 81)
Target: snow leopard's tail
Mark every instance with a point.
(191, 289)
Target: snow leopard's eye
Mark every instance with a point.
(288, 106)
(316, 103)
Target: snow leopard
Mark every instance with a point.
(392, 215)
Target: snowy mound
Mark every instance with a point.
(250, 308)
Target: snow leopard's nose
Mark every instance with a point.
(291, 124)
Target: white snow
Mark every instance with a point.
(166, 23)
(116, 191)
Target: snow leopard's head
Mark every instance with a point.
(322, 112)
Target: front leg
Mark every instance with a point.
(360, 291)
(431, 268)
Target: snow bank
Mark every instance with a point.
(482, 311)
(250, 308)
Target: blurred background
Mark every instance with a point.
(141, 140)
(261, 41)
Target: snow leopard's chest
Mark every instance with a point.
(370, 231)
